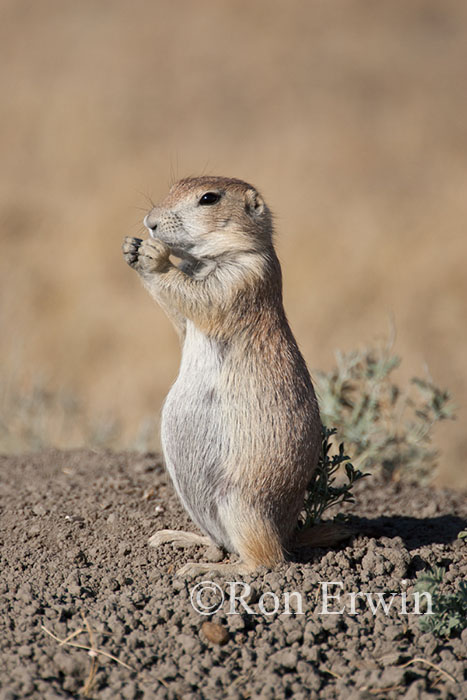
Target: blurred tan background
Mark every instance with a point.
(350, 117)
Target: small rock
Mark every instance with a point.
(129, 690)
(429, 643)
(39, 510)
(217, 634)
(213, 554)
(287, 658)
(331, 623)
(390, 659)
(168, 670)
(311, 653)
(69, 664)
(192, 678)
(7, 694)
(236, 623)
(392, 676)
(24, 651)
(189, 644)
(393, 632)
(415, 690)
(294, 635)
(74, 519)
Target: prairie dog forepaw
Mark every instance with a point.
(146, 257)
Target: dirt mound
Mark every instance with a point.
(74, 530)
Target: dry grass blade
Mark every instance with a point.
(380, 691)
(92, 650)
(323, 669)
(429, 663)
(87, 648)
(90, 680)
(71, 636)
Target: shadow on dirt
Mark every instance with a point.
(415, 532)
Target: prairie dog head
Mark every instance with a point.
(211, 217)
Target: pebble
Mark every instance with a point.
(217, 634)
(189, 644)
(213, 554)
(287, 658)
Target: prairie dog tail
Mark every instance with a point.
(254, 537)
(322, 535)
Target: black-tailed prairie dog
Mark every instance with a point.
(240, 427)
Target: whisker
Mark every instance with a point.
(205, 169)
(138, 227)
(174, 171)
(147, 197)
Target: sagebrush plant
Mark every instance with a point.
(323, 490)
(384, 425)
(449, 610)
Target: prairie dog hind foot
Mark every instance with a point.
(320, 535)
(182, 538)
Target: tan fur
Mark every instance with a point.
(259, 545)
(254, 538)
(240, 427)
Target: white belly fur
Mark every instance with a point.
(191, 428)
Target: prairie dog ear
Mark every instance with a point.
(254, 203)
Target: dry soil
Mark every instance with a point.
(74, 530)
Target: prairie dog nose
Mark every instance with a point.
(151, 224)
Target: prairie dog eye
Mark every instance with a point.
(210, 198)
